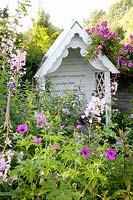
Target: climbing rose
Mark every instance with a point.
(110, 154)
(22, 128)
(85, 151)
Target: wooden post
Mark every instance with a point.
(108, 96)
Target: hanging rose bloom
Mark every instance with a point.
(85, 151)
(110, 154)
(100, 47)
(22, 128)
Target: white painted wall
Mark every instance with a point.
(74, 73)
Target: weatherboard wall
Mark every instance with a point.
(73, 74)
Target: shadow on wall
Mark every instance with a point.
(124, 94)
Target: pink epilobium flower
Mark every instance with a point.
(63, 126)
(66, 111)
(38, 140)
(85, 151)
(41, 122)
(55, 146)
(22, 128)
(110, 154)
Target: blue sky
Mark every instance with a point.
(61, 11)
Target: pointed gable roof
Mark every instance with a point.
(59, 50)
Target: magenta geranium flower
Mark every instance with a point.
(22, 128)
(110, 154)
(38, 140)
(86, 152)
(63, 126)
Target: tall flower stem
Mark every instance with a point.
(7, 123)
(83, 192)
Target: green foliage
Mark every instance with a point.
(38, 40)
(95, 17)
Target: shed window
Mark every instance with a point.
(100, 83)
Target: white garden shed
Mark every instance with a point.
(64, 65)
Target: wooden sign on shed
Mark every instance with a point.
(66, 68)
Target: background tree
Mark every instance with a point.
(38, 40)
(95, 18)
(119, 17)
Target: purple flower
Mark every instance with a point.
(130, 64)
(63, 126)
(110, 154)
(104, 23)
(77, 139)
(66, 111)
(22, 128)
(11, 85)
(38, 140)
(4, 110)
(118, 142)
(131, 36)
(77, 126)
(41, 120)
(94, 149)
(126, 45)
(85, 151)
